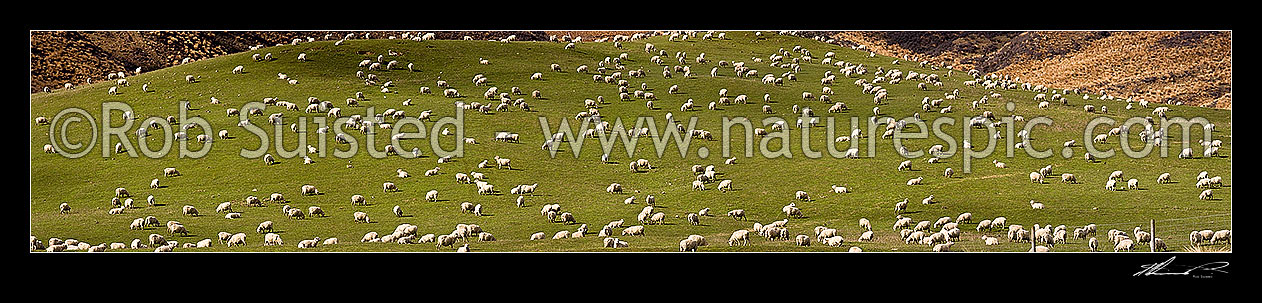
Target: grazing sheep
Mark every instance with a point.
(1156, 243)
(724, 186)
(633, 231)
(657, 218)
(121, 192)
(803, 240)
(1126, 245)
(1220, 236)
(1035, 177)
(237, 239)
(224, 207)
(309, 190)
(312, 243)
(965, 218)
(840, 189)
(1036, 205)
(315, 210)
(688, 245)
(739, 237)
(271, 239)
(999, 222)
(370, 237)
(358, 200)
(265, 226)
(835, 241)
(983, 225)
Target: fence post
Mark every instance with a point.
(1152, 227)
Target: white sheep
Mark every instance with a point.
(312, 243)
(633, 230)
(835, 241)
(237, 239)
(272, 239)
(1036, 205)
(224, 207)
(309, 190)
(840, 189)
(266, 226)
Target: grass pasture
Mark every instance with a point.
(761, 186)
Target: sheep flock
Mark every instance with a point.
(300, 196)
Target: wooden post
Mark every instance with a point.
(1033, 246)
(1152, 232)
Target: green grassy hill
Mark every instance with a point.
(761, 186)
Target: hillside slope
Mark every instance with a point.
(58, 57)
(1193, 67)
(1189, 67)
(761, 185)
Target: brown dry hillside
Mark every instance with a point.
(58, 57)
(1193, 67)
(1166, 66)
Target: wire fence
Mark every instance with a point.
(1171, 221)
(1172, 231)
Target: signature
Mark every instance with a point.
(1155, 269)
